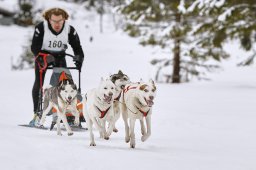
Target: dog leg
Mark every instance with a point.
(46, 110)
(132, 135)
(111, 127)
(89, 123)
(142, 127)
(77, 114)
(58, 126)
(125, 118)
(65, 122)
(97, 125)
(116, 117)
(148, 122)
(103, 122)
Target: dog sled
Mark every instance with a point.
(45, 62)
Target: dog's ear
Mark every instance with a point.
(71, 81)
(113, 78)
(142, 87)
(120, 72)
(61, 83)
(74, 86)
(153, 83)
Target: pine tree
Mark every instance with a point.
(25, 17)
(164, 23)
(234, 20)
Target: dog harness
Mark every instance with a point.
(128, 88)
(103, 113)
(144, 113)
(118, 97)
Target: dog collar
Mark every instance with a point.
(118, 97)
(103, 113)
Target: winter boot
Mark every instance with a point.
(34, 121)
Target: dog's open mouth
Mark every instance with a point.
(107, 98)
(69, 101)
(149, 102)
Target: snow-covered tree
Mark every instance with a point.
(25, 17)
(230, 20)
(174, 25)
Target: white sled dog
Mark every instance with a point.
(120, 80)
(137, 101)
(98, 104)
(62, 97)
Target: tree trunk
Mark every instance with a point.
(176, 63)
(176, 59)
(101, 15)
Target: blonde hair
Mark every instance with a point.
(55, 11)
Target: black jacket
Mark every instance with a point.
(38, 37)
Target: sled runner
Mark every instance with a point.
(74, 128)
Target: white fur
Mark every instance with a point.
(135, 99)
(67, 93)
(101, 97)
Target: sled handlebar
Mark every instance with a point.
(72, 68)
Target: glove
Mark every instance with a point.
(49, 60)
(78, 61)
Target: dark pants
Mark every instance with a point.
(59, 62)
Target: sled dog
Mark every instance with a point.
(62, 97)
(137, 99)
(98, 103)
(120, 80)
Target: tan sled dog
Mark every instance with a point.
(137, 104)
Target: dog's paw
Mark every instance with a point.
(115, 130)
(144, 138)
(106, 138)
(127, 139)
(132, 145)
(92, 144)
(70, 133)
(59, 133)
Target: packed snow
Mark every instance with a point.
(201, 125)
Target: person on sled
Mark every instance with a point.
(51, 36)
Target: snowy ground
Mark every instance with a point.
(196, 126)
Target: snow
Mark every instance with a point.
(202, 125)
(8, 5)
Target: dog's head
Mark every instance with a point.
(67, 90)
(146, 93)
(106, 90)
(120, 80)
